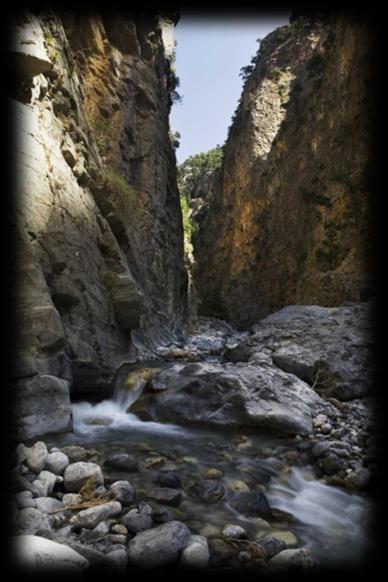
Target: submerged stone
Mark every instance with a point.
(252, 504)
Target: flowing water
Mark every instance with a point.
(329, 520)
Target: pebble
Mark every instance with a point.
(123, 462)
(190, 460)
(285, 536)
(75, 453)
(119, 529)
(122, 491)
(36, 456)
(168, 480)
(299, 557)
(196, 553)
(120, 558)
(32, 521)
(237, 485)
(76, 475)
(166, 496)
(48, 504)
(158, 546)
(45, 483)
(272, 546)
(89, 518)
(153, 462)
(135, 521)
(210, 531)
(212, 474)
(71, 499)
(232, 531)
(57, 462)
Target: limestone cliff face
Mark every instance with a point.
(99, 238)
(288, 220)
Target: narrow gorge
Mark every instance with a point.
(193, 364)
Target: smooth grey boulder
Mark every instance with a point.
(196, 553)
(36, 456)
(43, 404)
(234, 395)
(136, 521)
(90, 518)
(32, 521)
(57, 462)
(45, 482)
(122, 491)
(158, 546)
(76, 475)
(38, 553)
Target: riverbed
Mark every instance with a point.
(215, 467)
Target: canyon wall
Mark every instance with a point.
(288, 218)
(98, 237)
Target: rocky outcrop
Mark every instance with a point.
(330, 348)
(260, 396)
(99, 238)
(287, 222)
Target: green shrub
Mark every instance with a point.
(103, 134)
(189, 226)
(275, 74)
(192, 170)
(119, 185)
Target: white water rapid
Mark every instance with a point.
(110, 415)
(330, 514)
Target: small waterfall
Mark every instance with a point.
(114, 414)
(126, 393)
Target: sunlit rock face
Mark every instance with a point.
(99, 244)
(288, 219)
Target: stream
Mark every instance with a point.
(328, 520)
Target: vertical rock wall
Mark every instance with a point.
(288, 221)
(98, 232)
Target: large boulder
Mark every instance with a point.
(159, 546)
(37, 553)
(261, 396)
(330, 347)
(43, 406)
